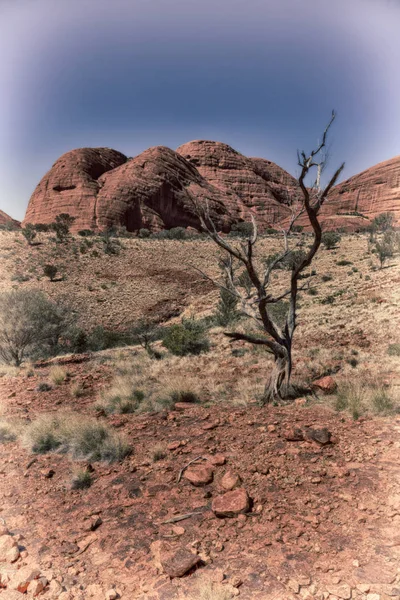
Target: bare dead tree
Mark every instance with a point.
(255, 298)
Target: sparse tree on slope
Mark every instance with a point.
(256, 299)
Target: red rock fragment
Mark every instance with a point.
(327, 384)
(199, 475)
(176, 563)
(231, 504)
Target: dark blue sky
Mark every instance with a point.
(260, 75)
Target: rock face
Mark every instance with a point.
(261, 186)
(101, 188)
(369, 193)
(156, 190)
(6, 220)
(71, 186)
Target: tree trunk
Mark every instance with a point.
(278, 386)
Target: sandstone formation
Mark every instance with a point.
(71, 186)
(264, 188)
(374, 191)
(6, 220)
(158, 189)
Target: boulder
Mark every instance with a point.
(8, 549)
(199, 475)
(327, 384)
(230, 480)
(176, 562)
(231, 504)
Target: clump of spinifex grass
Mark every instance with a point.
(81, 437)
(361, 397)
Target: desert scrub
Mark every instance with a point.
(77, 390)
(158, 453)
(394, 350)
(81, 480)
(57, 375)
(8, 432)
(77, 435)
(121, 401)
(360, 397)
(188, 337)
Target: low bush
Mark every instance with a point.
(226, 311)
(188, 337)
(394, 350)
(77, 435)
(359, 397)
(50, 271)
(121, 398)
(7, 432)
(81, 480)
(343, 262)
(43, 387)
(331, 239)
(158, 453)
(57, 375)
(244, 229)
(31, 325)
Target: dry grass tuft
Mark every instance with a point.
(57, 375)
(361, 396)
(80, 436)
(207, 590)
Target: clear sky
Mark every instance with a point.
(260, 75)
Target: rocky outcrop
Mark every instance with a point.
(264, 188)
(71, 186)
(356, 201)
(158, 189)
(6, 220)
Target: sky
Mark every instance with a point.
(260, 75)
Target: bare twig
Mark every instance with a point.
(181, 517)
(181, 472)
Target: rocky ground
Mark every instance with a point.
(268, 509)
(298, 501)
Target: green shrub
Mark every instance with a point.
(61, 226)
(144, 233)
(278, 311)
(29, 233)
(327, 277)
(188, 337)
(184, 396)
(77, 435)
(343, 262)
(7, 432)
(226, 311)
(394, 349)
(85, 232)
(121, 401)
(330, 239)
(383, 222)
(31, 325)
(177, 233)
(50, 271)
(111, 245)
(244, 229)
(101, 338)
(82, 480)
(42, 227)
